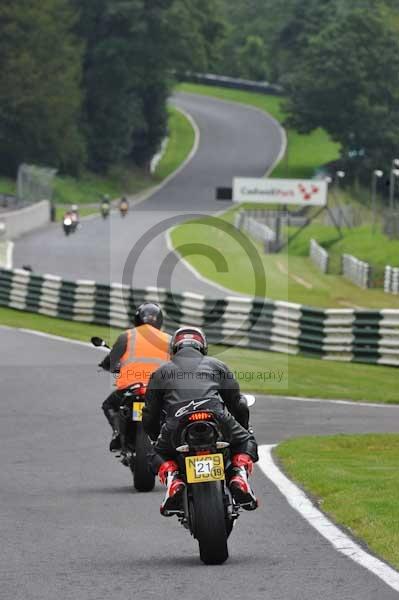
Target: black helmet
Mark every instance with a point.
(150, 314)
(191, 337)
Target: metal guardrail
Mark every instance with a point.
(262, 87)
(319, 256)
(337, 334)
(357, 271)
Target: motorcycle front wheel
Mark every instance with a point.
(209, 526)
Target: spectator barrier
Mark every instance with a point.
(259, 231)
(368, 336)
(319, 256)
(358, 271)
(391, 280)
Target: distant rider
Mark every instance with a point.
(191, 378)
(105, 205)
(123, 205)
(135, 355)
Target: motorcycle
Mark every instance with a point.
(208, 509)
(67, 225)
(105, 210)
(136, 447)
(123, 208)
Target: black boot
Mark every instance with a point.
(115, 443)
(113, 419)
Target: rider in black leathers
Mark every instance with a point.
(189, 381)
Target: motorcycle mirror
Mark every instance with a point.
(250, 399)
(97, 341)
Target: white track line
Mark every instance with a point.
(344, 402)
(341, 542)
(50, 336)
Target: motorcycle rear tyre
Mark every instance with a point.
(209, 522)
(143, 477)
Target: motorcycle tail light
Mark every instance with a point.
(200, 416)
(138, 389)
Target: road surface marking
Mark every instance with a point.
(341, 542)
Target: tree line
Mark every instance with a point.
(338, 62)
(85, 84)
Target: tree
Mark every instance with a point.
(196, 30)
(345, 80)
(126, 78)
(40, 96)
(252, 58)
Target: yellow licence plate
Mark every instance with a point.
(204, 468)
(137, 413)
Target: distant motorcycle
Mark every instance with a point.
(208, 509)
(67, 225)
(136, 447)
(123, 208)
(105, 210)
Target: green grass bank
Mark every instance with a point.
(355, 480)
(260, 372)
(290, 276)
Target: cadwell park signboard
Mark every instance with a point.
(304, 192)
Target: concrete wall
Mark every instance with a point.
(18, 222)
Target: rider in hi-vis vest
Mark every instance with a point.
(136, 354)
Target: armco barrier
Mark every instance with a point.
(334, 334)
(319, 256)
(262, 87)
(358, 271)
(18, 222)
(391, 280)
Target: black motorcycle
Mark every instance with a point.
(208, 509)
(136, 448)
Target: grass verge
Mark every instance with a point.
(124, 179)
(355, 479)
(181, 140)
(291, 276)
(7, 186)
(260, 372)
(362, 242)
(305, 153)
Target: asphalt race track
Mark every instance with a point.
(234, 141)
(72, 528)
